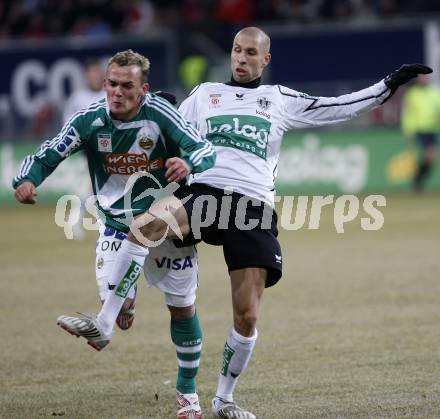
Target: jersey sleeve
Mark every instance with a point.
(198, 152)
(302, 110)
(37, 167)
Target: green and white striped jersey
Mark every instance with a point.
(115, 150)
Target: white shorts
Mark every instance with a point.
(173, 270)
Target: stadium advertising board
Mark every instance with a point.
(30, 80)
(373, 161)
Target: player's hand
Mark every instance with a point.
(26, 193)
(177, 169)
(167, 96)
(404, 74)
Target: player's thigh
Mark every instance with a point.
(174, 271)
(107, 247)
(167, 216)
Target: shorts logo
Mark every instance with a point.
(177, 264)
(278, 259)
(129, 279)
(100, 263)
(105, 143)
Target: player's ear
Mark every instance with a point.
(145, 88)
(267, 59)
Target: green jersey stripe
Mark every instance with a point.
(178, 120)
(51, 144)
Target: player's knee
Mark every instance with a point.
(245, 322)
(182, 313)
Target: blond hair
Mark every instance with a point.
(130, 57)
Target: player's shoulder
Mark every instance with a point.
(89, 113)
(287, 92)
(201, 88)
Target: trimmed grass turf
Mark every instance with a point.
(351, 331)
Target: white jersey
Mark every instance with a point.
(246, 126)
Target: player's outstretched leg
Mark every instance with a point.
(87, 327)
(125, 317)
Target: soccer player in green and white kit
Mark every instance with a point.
(246, 121)
(133, 131)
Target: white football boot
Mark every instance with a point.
(229, 410)
(87, 327)
(188, 406)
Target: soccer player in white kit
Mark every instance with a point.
(245, 121)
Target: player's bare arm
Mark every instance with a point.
(26, 193)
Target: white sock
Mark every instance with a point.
(237, 353)
(126, 270)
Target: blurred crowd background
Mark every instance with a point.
(37, 19)
(45, 45)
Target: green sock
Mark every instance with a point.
(187, 336)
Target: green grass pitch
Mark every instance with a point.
(351, 331)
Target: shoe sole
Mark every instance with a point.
(94, 345)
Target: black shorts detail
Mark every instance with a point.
(244, 226)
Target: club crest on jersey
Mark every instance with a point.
(105, 142)
(146, 143)
(263, 103)
(146, 139)
(214, 100)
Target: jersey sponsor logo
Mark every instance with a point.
(178, 264)
(129, 163)
(69, 143)
(244, 132)
(263, 103)
(105, 142)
